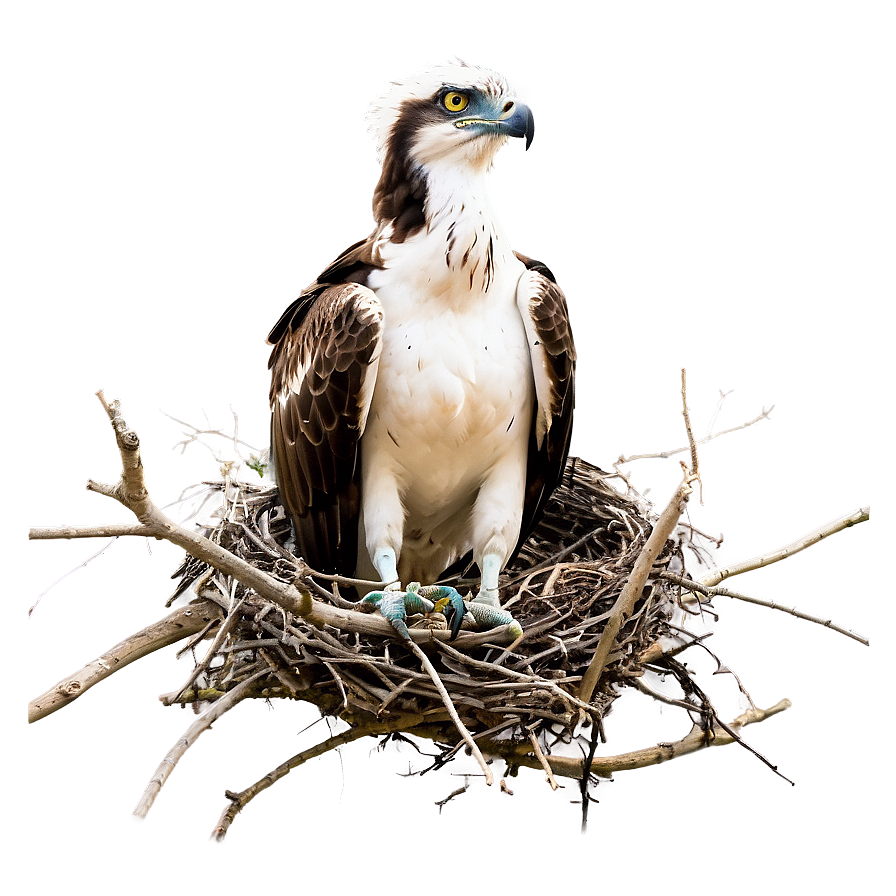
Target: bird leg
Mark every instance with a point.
(395, 604)
(488, 588)
(386, 565)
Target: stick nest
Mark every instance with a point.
(561, 588)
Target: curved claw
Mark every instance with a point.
(448, 601)
(395, 605)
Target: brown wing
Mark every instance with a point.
(549, 319)
(323, 367)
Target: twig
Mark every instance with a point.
(695, 464)
(182, 623)
(449, 705)
(663, 698)
(728, 729)
(637, 580)
(539, 755)
(441, 803)
(811, 538)
(717, 411)
(338, 679)
(238, 801)
(712, 591)
(203, 723)
(662, 455)
(721, 668)
(64, 576)
(607, 766)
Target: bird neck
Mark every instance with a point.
(460, 253)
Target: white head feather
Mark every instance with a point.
(384, 111)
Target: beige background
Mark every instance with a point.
(711, 183)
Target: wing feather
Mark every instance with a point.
(323, 367)
(546, 318)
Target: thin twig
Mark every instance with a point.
(806, 541)
(203, 723)
(74, 569)
(539, 755)
(239, 801)
(708, 591)
(449, 705)
(662, 455)
(717, 411)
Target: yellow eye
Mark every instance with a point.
(455, 101)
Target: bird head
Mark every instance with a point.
(459, 111)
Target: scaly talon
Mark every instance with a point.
(395, 605)
(445, 596)
(488, 617)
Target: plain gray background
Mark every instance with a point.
(711, 183)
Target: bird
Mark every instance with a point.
(422, 387)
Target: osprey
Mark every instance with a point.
(422, 386)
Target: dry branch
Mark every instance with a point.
(861, 515)
(637, 581)
(712, 591)
(203, 723)
(238, 801)
(180, 624)
(607, 766)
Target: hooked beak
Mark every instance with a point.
(516, 121)
(520, 123)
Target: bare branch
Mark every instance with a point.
(180, 624)
(712, 591)
(238, 801)
(449, 705)
(662, 455)
(212, 714)
(634, 587)
(112, 531)
(606, 766)
(811, 538)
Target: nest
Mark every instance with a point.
(561, 588)
(595, 590)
